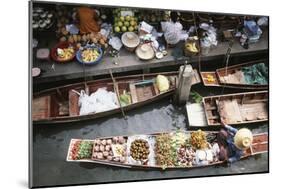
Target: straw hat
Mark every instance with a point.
(130, 39)
(145, 52)
(243, 138)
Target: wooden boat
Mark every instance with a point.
(60, 104)
(259, 146)
(232, 77)
(239, 108)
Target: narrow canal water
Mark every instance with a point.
(50, 144)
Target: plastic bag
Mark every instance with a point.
(172, 32)
(146, 27)
(162, 83)
(99, 101)
(116, 43)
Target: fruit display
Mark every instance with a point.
(42, 19)
(179, 139)
(165, 155)
(124, 23)
(210, 78)
(186, 156)
(125, 98)
(64, 17)
(95, 38)
(191, 46)
(175, 149)
(65, 53)
(81, 150)
(151, 17)
(198, 139)
(74, 150)
(110, 149)
(139, 149)
(90, 55)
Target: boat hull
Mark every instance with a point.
(259, 146)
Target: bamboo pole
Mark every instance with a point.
(117, 93)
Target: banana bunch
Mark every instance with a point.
(191, 47)
(210, 78)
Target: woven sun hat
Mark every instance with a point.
(243, 138)
(130, 40)
(145, 52)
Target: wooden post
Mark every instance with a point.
(186, 74)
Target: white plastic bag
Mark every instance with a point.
(99, 101)
(172, 32)
(116, 43)
(87, 105)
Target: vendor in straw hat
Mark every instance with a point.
(233, 142)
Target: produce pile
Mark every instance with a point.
(198, 139)
(65, 17)
(191, 46)
(176, 149)
(210, 78)
(124, 23)
(42, 19)
(81, 150)
(125, 98)
(183, 150)
(110, 149)
(139, 150)
(179, 148)
(95, 38)
(90, 55)
(65, 53)
(186, 156)
(165, 155)
(153, 16)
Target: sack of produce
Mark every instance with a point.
(162, 83)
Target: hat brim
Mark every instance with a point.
(130, 43)
(145, 55)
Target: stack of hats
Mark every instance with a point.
(145, 52)
(130, 40)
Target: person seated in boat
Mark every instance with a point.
(233, 142)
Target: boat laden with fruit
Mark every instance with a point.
(99, 98)
(249, 75)
(172, 150)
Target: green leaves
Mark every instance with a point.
(196, 96)
(85, 150)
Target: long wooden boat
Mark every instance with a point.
(231, 77)
(238, 108)
(259, 146)
(58, 105)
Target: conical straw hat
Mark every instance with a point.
(145, 52)
(243, 139)
(130, 39)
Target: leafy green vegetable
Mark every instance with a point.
(85, 150)
(125, 99)
(196, 96)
